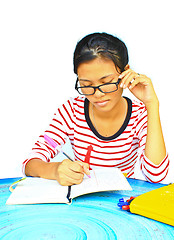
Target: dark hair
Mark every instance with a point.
(101, 45)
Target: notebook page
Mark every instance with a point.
(105, 179)
(38, 190)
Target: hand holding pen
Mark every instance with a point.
(69, 172)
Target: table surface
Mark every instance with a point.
(92, 216)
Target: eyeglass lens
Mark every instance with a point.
(106, 88)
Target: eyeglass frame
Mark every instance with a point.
(96, 87)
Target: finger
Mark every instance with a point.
(82, 168)
(124, 77)
(69, 168)
(71, 176)
(76, 167)
(67, 174)
(134, 83)
(85, 167)
(75, 178)
(128, 79)
(123, 74)
(140, 79)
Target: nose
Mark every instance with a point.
(98, 93)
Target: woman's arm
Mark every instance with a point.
(155, 149)
(67, 173)
(38, 168)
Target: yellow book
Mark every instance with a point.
(157, 204)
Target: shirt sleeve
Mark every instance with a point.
(153, 173)
(60, 128)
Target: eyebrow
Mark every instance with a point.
(81, 79)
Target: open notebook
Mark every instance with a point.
(38, 190)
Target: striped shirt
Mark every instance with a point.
(122, 150)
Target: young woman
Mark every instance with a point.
(120, 131)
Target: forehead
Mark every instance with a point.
(96, 69)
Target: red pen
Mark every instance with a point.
(88, 154)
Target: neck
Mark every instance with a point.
(108, 123)
(118, 110)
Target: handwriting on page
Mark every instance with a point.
(101, 180)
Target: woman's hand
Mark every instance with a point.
(140, 86)
(70, 173)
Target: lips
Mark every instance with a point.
(102, 103)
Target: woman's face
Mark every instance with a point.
(97, 72)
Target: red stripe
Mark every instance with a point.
(67, 112)
(82, 127)
(64, 120)
(128, 162)
(56, 135)
(79, 106)
(143, 127)
(157, 174)
(158, 180)
(25, 161)
(154, 166)
(28, 160)
(141, 120)
(105, 142)
(51, 125)
(143, 145)
(111, 159)
(130, 174)
(110, 147)
(80, 113)
(80, 119)
(124, 169)
(42, 155)
(78, 99)
(56, 120)
(134, 156)
(100, 141)
(72, 109)
(40, 149)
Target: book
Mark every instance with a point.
(35, 190)
(157, 204)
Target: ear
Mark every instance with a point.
(127, 67)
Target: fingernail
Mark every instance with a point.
(121, 85)
(86, 170)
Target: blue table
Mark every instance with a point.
(92, 217)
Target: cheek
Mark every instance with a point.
(90, 98)
(117, 95)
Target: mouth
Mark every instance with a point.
(102, 103)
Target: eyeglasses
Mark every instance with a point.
(104, 88)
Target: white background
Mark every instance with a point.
(37, 40)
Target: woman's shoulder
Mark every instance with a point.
(76, 101)
(138, 106)
(73, 104)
